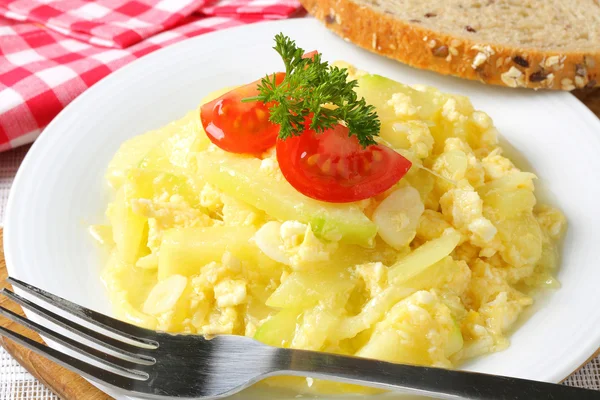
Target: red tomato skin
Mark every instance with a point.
(310, 54)
(333, 167)
(239, 127)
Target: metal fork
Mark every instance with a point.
(159, 365)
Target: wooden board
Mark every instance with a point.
(70, 386)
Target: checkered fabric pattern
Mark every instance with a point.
(42, 70)
(268, 8)
(111, 23)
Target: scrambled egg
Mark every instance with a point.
(461, 244)
(292, 243)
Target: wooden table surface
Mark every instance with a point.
(70, 386)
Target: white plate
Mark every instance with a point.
(60, 189)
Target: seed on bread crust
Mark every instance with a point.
(441, 51)
(549, 80)
(551, 61)
(485, 52)
(538, 76)
(479, 59)
(567, 84)
(513, 77)
(521, 61)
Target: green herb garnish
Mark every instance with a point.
(309, 85)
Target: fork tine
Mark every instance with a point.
(121, 348)
(113, 325)
(81, 367)
(101, 357)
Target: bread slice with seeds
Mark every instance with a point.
(550, 44)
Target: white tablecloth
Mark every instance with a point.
(16, 383)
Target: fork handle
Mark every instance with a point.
(441, 383)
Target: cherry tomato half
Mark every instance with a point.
(240, 127)
(334, 167)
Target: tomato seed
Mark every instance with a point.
(377, 156)
(260, 114)
(326, 167)
(312, 160)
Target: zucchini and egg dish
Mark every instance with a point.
(433, 271)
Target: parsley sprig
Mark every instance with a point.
(312, 86)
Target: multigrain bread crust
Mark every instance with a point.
(449, 55)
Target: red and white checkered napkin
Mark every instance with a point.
(112, 23)
(51, 51)
(269, 9)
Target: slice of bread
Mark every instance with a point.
(550, 44)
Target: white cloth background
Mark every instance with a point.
(17, 384)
